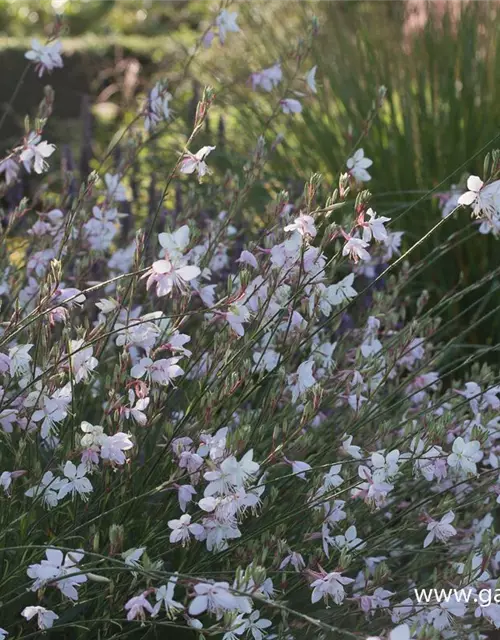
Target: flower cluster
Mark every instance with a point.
(231, 421)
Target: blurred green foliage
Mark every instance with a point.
(20, 18)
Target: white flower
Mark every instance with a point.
(19, 359)
(3, 634)
(332, 584)
(185, 493)
(300, 468)
(349, 540)
(162, 371)
(384, 465)
(132, 556)
(157, 107)
(356, 249)
(402, 632)
(214, 598)
(167, 275)
(465, 455)
(231, 475)
(76, 481)
(7, 419)
(196, 162)
(34, 153)
(182, 528)
(358, 165)
(304, 225)
(82, 360)
(351, 449)
(112, 447)
(115, 190)
(483, 199)
(441, 530)
(226, 21)
(333, 479)
(311, 79)
(62, 570)
(53, 411)
(255, 624)
(342, 291)
(295, 559)
(45, 617)
(137, 410)
(268, 79)
(47, 56)
(248, 258)
(176, 243)
(165, 595)
(236, 315)
(290, 105)
(441, 616)
(302, 379)
(47, 489)
(6, 480)
(374, 227)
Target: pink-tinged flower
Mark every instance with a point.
(226, 22)
(358, 165)
(330, 585)
(304, 225)
(166, 276)
(162, 371)
(196, 162)
(34, 152)
(441, 530)
(137, 606)
(112, 447)
(248, 258)
(45, 617)
(290, 105)
(46, 56)
(214, 598)
(356, 249)
(183, 528)
(267, 79)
